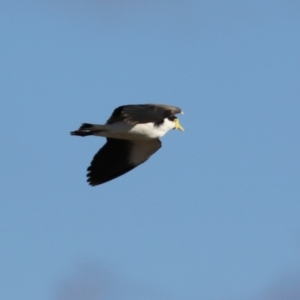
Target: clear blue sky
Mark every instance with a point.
(213, 215)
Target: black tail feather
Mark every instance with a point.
(81, 133)
(85, 126)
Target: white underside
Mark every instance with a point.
(123, 130)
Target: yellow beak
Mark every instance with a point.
(177, 125)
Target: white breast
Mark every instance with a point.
(123, 130)
(150, 131)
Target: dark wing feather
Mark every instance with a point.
(115, 159)
(143, 113)
(110, 162)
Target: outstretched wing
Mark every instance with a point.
(118, 157)
(143, 113)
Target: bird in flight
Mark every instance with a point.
(132, 136)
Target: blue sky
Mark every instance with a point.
(214, 214)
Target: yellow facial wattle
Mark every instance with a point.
(177, 125)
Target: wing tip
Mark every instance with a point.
(92, 182)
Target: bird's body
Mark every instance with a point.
(125, 131)
(132, 133)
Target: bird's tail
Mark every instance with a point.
(89, 129)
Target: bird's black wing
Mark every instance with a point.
(118, 157)
(143, 113)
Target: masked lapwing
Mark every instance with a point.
(132, 136)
